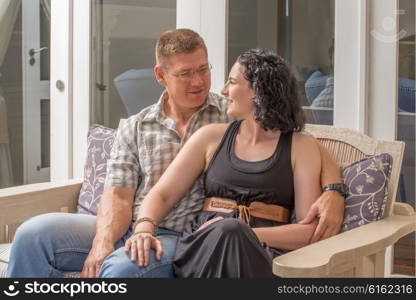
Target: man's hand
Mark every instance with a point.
(329, 208)
(99, 251)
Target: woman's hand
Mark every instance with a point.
(209, 222)
(139, 245)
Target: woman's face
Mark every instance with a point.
(239, 94)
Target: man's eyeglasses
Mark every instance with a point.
(188, 75)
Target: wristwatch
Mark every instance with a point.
(341, 188)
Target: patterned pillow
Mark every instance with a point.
(367, 181)
(100, 141)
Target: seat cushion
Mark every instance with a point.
(367, 181)
(71, 274)
(100, 141)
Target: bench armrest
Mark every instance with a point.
(355, 253)
(18, 204)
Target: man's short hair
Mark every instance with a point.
(177, 41)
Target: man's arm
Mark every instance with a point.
(329, 207)
(113, 220)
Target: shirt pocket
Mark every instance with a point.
(158, 152)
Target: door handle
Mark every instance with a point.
(32, 53)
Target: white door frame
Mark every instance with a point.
(61, 99)
(81, 82)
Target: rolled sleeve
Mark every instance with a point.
(123, 167)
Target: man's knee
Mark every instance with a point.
(52, 226)
(35, 228)
(118, 264)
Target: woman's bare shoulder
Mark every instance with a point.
(212, 131)
(302, 143)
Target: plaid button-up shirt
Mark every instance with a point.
(145, 146)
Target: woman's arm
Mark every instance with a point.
(306, 164)
(171, 187)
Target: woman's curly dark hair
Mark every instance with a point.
(276, 102)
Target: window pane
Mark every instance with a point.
(124, 36)
(404, 250)
(302, 32)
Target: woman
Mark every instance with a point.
(257, 170)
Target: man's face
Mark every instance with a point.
(187, 78)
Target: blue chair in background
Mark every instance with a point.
(318, 83)
(138, 89)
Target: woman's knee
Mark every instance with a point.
(231, 226)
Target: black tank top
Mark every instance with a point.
(269, 181)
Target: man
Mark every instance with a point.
(144, 147)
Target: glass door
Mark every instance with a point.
(24, 92)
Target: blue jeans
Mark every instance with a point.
(47, 244)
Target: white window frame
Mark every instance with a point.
(383, 72)
(350, 75)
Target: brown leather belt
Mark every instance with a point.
(256, 209)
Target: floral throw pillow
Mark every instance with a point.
(100, 141)
(367, 181)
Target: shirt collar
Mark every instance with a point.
(212, 100)
(156, 112)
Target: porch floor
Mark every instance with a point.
(404, 256)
